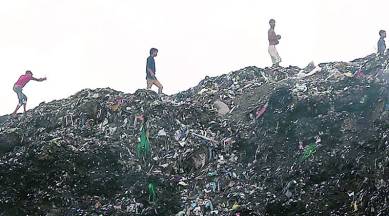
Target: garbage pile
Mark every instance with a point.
(273, 141)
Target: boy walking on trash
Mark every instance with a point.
(18, 89)
(273, 41)
(381, 43)
(150, 71)
(381, 49)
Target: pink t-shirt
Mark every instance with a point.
(23, 80)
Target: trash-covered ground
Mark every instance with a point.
(284, 141)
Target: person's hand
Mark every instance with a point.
(44, 78)
(278, 37)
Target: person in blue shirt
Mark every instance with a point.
(381, 43)
(150, 71)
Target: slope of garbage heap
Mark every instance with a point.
(273, 141)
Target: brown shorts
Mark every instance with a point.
(152, 82)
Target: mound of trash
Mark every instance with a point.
(273, 141)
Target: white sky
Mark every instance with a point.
(104, 43)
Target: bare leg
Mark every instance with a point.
(159, 85)
(24, 107)
(149, 84)
(16, 110)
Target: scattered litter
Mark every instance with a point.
(319, 147)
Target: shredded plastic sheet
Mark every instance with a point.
(309, 151)
(143, 148)
(152, 192)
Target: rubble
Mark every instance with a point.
(221, 107)
(273, 141)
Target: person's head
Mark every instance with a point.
(382, 33)
(29, 72)
(153, 52)
(272, 23)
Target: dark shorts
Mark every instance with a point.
(22, 97)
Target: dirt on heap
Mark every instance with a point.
(273, 141)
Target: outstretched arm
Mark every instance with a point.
(39, 79)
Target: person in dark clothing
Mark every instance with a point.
(150, 71)
(381, 43)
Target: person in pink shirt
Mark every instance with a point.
(18, 89)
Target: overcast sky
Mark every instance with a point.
(81, 44)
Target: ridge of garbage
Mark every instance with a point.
(273, 141)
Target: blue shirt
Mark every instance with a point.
(381, 46)
(151, 66)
